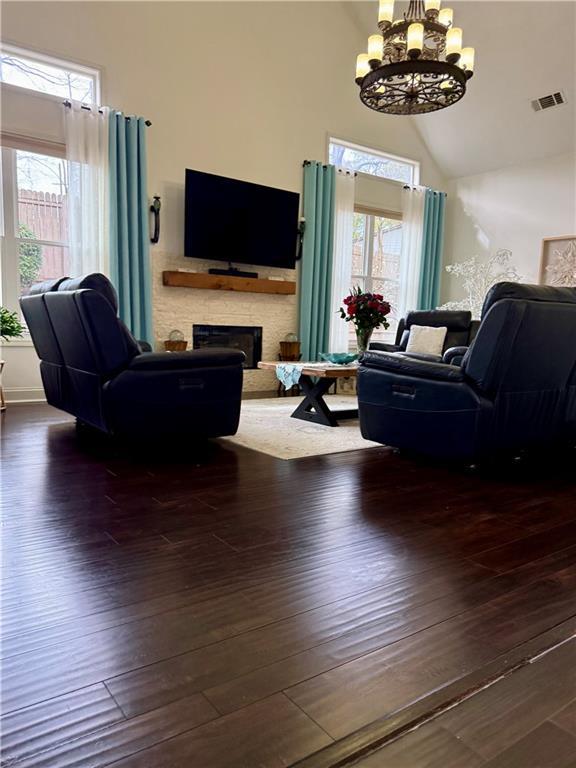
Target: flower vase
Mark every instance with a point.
(363, 336)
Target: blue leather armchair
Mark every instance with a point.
(515, 389)
(93, 368)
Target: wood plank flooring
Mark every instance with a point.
(525, 719)
(219, 607)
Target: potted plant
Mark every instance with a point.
(367, 311)
(10, 328)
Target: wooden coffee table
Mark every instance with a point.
(315, 381)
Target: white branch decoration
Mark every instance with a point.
(479, 276)
(562, 271)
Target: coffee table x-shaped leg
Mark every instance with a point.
(314, 408)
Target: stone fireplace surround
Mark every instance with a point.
(181, 308)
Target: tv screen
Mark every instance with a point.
(239, 222)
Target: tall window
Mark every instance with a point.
(34, 200)
(34, 222)
(46, 74)
(372, 162)
(377, 240)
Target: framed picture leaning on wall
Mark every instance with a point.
(558, 261)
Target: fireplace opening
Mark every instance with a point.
(246, 338)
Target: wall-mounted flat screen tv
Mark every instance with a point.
(239, 222)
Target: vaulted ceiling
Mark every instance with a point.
(524, 50)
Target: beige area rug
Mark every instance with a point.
(266, 426)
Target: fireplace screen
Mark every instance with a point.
(246, 338)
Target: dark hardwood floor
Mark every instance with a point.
(225, 608)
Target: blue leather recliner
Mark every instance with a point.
(461, 330)
(515, 389)
(93, 368)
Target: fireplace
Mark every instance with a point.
(246, 338)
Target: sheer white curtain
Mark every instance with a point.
(342, 256)
(413, 199)
(86, 130)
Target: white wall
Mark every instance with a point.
(21, 377)
(513, 208)
(243, 89)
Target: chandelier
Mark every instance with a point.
(417, 64)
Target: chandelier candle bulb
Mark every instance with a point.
(453, 44)
(362, 66)
(415, 40)
(432, 7)
(386, 12)
(467, 61)
(375, 48)
(446, 17)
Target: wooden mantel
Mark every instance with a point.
(227, 283)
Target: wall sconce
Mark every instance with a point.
(155, 211)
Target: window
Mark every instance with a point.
(376, 245)
(47, 75)
(372, 162)
(34, 229)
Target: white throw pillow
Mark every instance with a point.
(426, 340)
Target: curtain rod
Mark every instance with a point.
(435, 191)
(326, 165)
(85, 106)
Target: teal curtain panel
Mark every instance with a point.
(432, 247)
(129, 235)
(317, 256)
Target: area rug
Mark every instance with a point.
(266, 426)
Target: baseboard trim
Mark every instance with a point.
(258, 395)
(36, 395)
(24, 395)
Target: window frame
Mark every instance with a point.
(9, 263)
(54, 61)
(368, 256)
(9, 237)
(372, 213)
(375, 151)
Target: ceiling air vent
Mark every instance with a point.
(545, 102)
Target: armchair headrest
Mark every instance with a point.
(439, 318)
(96, 282)
(46, 286)
(526, 292)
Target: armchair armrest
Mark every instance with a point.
(422, 356)
(197, 358)
(383, 347)
(409, 366)
(454, 355)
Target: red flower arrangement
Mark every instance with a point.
(367, 311)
